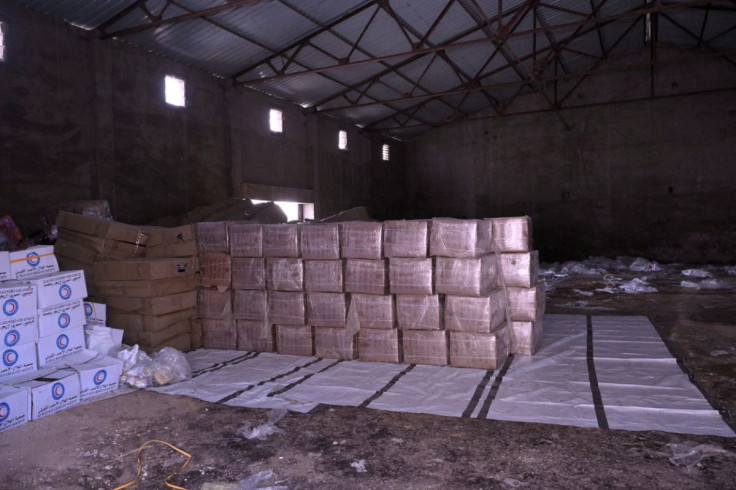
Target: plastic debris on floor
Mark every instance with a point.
(592, 371)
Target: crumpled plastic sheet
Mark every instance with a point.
(713, 284)
(636, 286)
(696, 273)
(689, 455)
(263, 431)
(253, 482)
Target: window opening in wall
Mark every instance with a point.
(385, 152)
(174, 90)
(276, 120)
(342, 140)
(2, 42)
(295, 211)
(647, 28)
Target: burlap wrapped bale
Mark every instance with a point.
(479, 350)
(527, 304)
(212, 237)
(379, 345)
(250, 304)
(366, 276)
(281, 241)
(219, 334)
(519, 270)
(325, 276)
(512, 234)
(362, 240)
(246, 239)
(327, 309)
(320, 241)
(295, 341)
(286, 308)
(482, 314)
(248, 273)
(215, 305)
(410, 276)
(374, 311)
(285, 274)
(425, 347)
(405, 238)
(335, 343)
(459, 238)
(420, 312)
(526, 337)
(465, 277)
(255, 336)
(215, 270)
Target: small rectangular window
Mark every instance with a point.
(342, 140)
(276, 121)
(175, 91)
(385, 152)
(2, 42)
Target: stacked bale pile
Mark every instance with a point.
(214, 298)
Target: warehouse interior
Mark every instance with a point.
(610, 123)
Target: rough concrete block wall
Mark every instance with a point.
(82, 118)
(653, 177)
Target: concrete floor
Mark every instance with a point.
(94, 446)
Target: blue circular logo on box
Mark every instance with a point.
(87, 309)
(10, 307)
(4, 411)
(57, 391)
(100, 377)
(62, 342)
(33, 259)
(12, 338)
(64, 320)
(10, 357)
(65, 291)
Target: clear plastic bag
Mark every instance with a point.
(165, 367)
(262, 431)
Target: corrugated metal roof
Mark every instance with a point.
(81, 13)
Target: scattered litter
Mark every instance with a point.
(644, 265)
(359, 466)
(583, 293)
(262, 431)
(514, 483)
(397, 440)
(689, 284)
(250, 483)
(579, 268)
(689, 455)
(731, 269)
(716, 284)
(636, 286)
(165, 367)
(696, 273)
(607, 289)
(718, 353)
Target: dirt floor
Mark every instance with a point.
(94, 446)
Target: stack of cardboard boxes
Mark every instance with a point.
(44, 366)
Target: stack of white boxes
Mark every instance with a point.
(45, 367)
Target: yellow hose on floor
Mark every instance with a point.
(140, 465)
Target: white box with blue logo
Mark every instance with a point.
(96, 313)
(55, 348)
(98, 376)
(15, 407)
(60, 287)
(4, 266)
(51, 390)
(18, 360)
(17, 306)
(33, 262)
(59, 318)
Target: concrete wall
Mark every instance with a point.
(82, 118)
(652, 177)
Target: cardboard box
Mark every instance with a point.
(149, 323)
(195, 336)
(95, 313)
(527, 304)
(295, 341)
(256, 336)
(250, 304)
(335, 343)
(212, 237)
(459, 238)
(321, 241)
(87, 248)
(33, 262)
(410, 276)
(18, 360)
(15, 407)
(167, 236)
(379, 345)
(143, 269)
(366, 276)
(74, 251)
(97, 376)
(285, 274)
(183, 249)
(281, 241)
(374, 311)
(327, 309)
(180, 342)
(154, 338)
(406, 238)
(66, 264)
(425, 347)
(512, 234)
(216, 305)
(246, 239)
(248, 273)
(526, 337)
(219, 334)
(287, 308)
(215, 270)
(144, 289)
(324, 276)
(102, 228)
(420, 312)
(4, 270)
(158, 305)
(518, 270)
(24, 331)
(465, 277)
(50, 391)
(18, 301)
(57, 319)
(54, 348)
(483, 314)
(479, 350)
(362, 240)
(59, 287)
